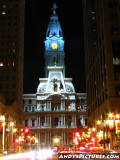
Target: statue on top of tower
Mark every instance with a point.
(54, 8)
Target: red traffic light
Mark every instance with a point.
(77, 134)
(93, 139)
(26, 130)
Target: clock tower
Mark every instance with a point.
(55, 111)
(54, 44)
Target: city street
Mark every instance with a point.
(33, 155)
(47, 154)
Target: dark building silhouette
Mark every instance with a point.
(11, 50)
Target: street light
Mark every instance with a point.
(11, 126)
(110, 115)
(98, 122)
(2, 118)
(93, 129)
(56, 140)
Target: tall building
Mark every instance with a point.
(11, 69)
(102, 62)
(12, 50)
(56, 110)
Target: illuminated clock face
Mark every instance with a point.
(54, 45)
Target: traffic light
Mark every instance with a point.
(77, 134)
(26, 130)
(93, 139)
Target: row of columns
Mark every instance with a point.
(47, 106)
(48, 121)
(48, 139)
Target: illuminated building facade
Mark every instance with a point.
(102, 60)
(56, 110)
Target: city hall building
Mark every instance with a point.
(56, 111)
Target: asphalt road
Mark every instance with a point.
(48, 155)
(34, 155)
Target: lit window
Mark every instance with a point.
(14, 50)
(3, 12)
(13, 64)
(4, 6)
(1, 64)
(116, 61)
(93, 12)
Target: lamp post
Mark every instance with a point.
(56, 142)
(11, 125)
(2, 118)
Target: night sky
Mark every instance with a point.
(37, 17)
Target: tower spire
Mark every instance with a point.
(54, 43)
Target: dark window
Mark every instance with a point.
(85, 121)
(117, 89)
(112, 4)
(106, 94)
(1, 78)
(25, 109)
(13, 85)
(103, 97)
(115, 30)
(116, 48)
(33, 109)
(117, 72)
(33, 123)
(13, 93)
(1, 86)
(30, 101)
(56, 121)
(26, 123)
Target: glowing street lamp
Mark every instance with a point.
(117, 116)
(11, 124)
(14, 129)
(56, 140)
(98, 122)
(110, 115)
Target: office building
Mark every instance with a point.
(102, 62)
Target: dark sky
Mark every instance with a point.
(37, 16)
